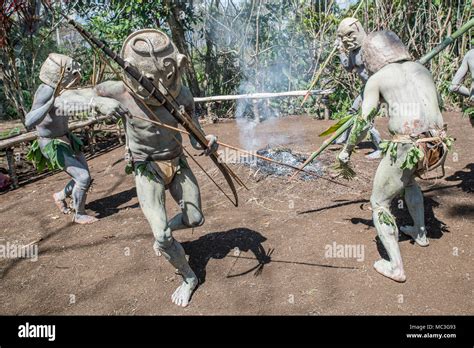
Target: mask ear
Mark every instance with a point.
(182, 61)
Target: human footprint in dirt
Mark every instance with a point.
(419, 142)
(57, 147)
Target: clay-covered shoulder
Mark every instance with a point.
(45, 91)
(470, 54)
(42, 95)
(469, 58)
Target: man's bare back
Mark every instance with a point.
(410, 93)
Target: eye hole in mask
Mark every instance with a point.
(168, 63)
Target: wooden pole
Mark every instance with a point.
(263, 95)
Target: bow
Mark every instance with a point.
(169, 104)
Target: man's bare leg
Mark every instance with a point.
(60, 197)
(414, 200)
(388, 183)
(151, 195)
(376, 140)
(185, 191)
(77, 168)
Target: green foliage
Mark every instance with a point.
(386, 218)
(143, 169)
(391, 148)
(449, 141)
(345, 170)
(469, 112)
(360, 125)
(336, 126)
(129, 169)
(414, 155)
(55, 151)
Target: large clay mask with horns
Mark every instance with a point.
(153, 53)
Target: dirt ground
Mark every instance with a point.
(286, 228)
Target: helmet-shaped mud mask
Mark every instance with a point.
(351, 33)
(381, 48)
(60, 67)
(153, 53)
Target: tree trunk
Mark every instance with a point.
(177, 32)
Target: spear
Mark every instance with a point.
(350, 120)
(446, 42)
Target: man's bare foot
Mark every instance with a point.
(61, 203)
(384, 267)
(84, 219)
(183, 293)
(418, 235)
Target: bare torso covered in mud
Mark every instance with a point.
(145, 140)
(52, 123)
(410, 93)
(353, 61)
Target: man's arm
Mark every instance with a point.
(362, 123)
(456, 85)
(345, 61)
(90, 99)
(42, 103)
(212, 139)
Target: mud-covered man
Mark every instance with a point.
(53, 103)
(467, 66)
(419, 142)
(350, 36)
(157, 153)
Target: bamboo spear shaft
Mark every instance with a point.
(446, 42)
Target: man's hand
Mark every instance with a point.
(344, 156)
(211, 145)
(109, 107)
(339, 46)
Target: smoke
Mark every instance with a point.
(266, 62)
(260, 46)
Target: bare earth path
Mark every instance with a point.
(110, 267)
